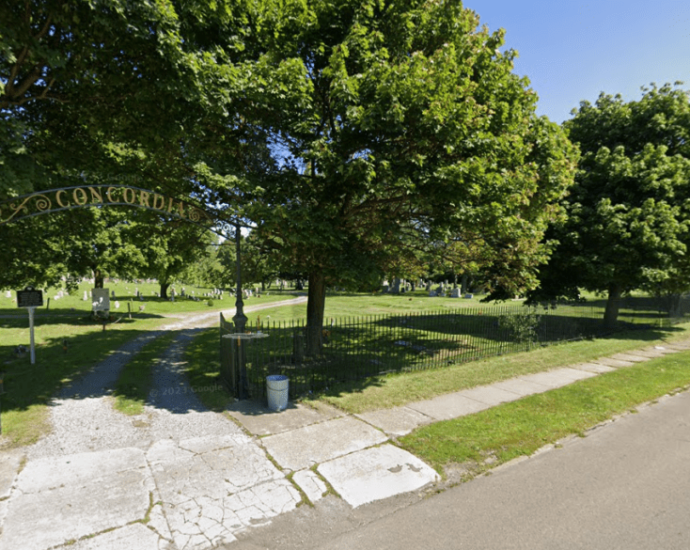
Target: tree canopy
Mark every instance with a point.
(628, 213)
(347, 131)
(388, 122)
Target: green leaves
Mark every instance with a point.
(629, 220)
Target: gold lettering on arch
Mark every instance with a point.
(96, 196)
(59, 200)
(144, 198)
(158, 205)
(80, 196)
(131, 197)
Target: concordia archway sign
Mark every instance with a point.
(68, 198)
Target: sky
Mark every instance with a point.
(572, 50)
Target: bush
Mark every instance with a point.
(521, 327)
(209, 303)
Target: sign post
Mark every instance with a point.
(31, 299)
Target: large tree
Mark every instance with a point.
(114, 92)
(385, 117)
(628, 214)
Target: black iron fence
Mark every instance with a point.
(358, 348)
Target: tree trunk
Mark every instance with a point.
(612, 306)
(97, 278)
(316, 304)
(464, 286)
(164, 290)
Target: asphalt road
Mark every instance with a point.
(626, 485)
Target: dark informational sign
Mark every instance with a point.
(29, 297)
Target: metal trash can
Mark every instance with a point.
(277, 386)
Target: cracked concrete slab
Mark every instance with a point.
(491, 395)
(376, 473)
(550, 380)
(678, 346)
(213, 487)
(519, 386)
(396, 421)
(652, 353)
(131, 537)
(448, 406)
(65, 498)
(261, 420)
(631, 357)
(594, 368)
(321, 442)
(615, 363)
(10, 462)
(572, 373)
(664, 350)
(312, 485)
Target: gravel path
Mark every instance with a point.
(83, 418)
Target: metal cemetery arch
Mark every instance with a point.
(69, 198)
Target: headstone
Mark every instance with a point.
(182, 293)
(432, 293)
(428, 286)
(86, 296)
(112, 294)
(8, 294)
(117, 305)
(101, 299)
(385, 288)
(396, 286)
(469, 296)
(455, 293)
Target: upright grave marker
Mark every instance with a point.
(31, 299)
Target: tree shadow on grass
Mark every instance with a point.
(357, 352)
(89, 365)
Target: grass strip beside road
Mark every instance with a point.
(489, 438)
(136, 379)
(399, 389)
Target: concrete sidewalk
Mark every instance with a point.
(202, 492)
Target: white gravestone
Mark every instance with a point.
(101, 299)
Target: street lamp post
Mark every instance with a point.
(240, 321)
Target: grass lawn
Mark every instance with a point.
(372, 335)
(74, 303)
(398, 389)
(486, 439)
